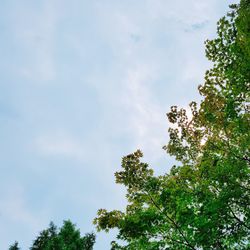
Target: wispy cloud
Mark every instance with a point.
(91, 81)
(17, 214)
(145, 119)
(14, 207)
(35, 29)
(60, 144)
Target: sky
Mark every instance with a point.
(82, 84)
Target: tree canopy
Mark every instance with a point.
(204, 201)
(65, 238)
(14, 246)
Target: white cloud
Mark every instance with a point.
(34, 29)
(14, 207)
(142, 63)
(60, 144)
(146, 119)
(186, 12)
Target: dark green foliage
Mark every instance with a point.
(67, 238)
(14, 246)
(204, 203)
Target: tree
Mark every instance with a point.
(65, 238)
(14, 246)
(204, 202)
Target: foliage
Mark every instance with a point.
(14, 246)
(66, 238)
(204, 203)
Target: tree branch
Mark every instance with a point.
(173, 222)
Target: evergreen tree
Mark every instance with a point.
(66, 238)
(14, 246)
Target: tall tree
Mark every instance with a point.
(65, 238)
(204, 202)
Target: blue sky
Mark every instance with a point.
(83, 83)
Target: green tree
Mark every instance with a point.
(14, 246)
(66, 238)
(204, 202)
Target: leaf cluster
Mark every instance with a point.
(204, 202)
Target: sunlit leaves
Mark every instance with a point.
(204, 203)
